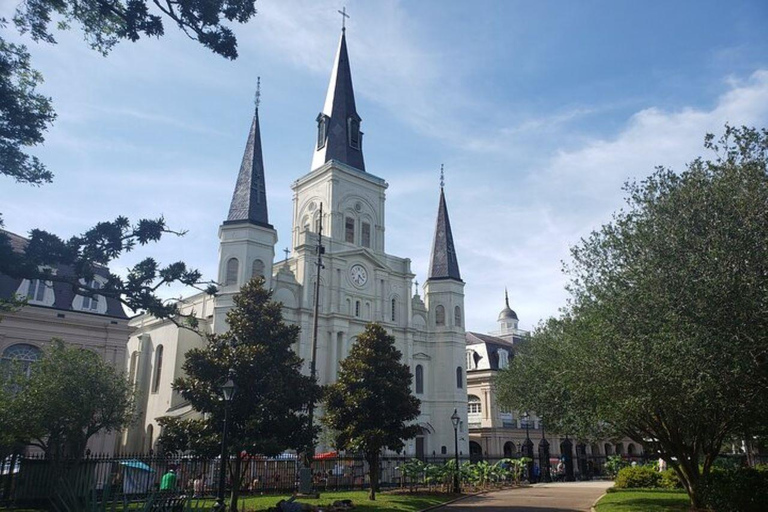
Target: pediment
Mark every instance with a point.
(422, 356)
(362, 253)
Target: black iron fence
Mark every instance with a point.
(31, 481)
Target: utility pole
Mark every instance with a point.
(305, 474)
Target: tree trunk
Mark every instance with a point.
(373, 473)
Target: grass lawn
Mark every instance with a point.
(647, 500)
(384, 501)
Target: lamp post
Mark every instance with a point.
(528, 446)
(228, 390)
(455, 419)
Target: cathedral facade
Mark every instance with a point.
(339, 206)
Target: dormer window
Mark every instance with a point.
(36, 290)
(353, 128)
(92, 303)
(322, 130)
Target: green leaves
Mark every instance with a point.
(25, 114)
(371, 405)
(70, 395)
(666, 335)
(267, 410)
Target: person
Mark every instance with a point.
(198, 486)
(168, 482)
(290, 505)
(561, 470)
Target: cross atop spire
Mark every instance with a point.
(257, 97)
(442, 177)
(344, 17)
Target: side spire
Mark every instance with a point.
(338, 125)
(249, 201)
(443, 263)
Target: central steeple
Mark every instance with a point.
(338, 125)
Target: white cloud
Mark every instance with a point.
(522, 243)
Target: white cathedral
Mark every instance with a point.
(359, 281)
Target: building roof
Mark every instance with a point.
(63, 293)
(338, 110)
(443, 263)
(507, 312)
(491, 346)
(249, 201)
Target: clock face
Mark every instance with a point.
(358, 275)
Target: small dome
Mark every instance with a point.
(507, 314)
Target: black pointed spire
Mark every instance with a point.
(339, 137)
(443, 264)
(249, 201)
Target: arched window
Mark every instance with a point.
(354, 132)
(440, 315)
(459, 378)
(349, 230)
(457, 316)
(443, 450)
(257, 270)
(233, 266)
(322, 130)
(608, 449)
(365, 234)
(509, 449)
(158, 368)
(357, 308)
(22, 356)
(419, 379)
(474, 405)
(394, 310)
(631, 449)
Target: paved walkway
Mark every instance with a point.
(554, 497)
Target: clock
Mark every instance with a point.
(358, 275)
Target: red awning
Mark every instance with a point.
(326, 455)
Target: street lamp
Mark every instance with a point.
(228, 390)
(455, 419)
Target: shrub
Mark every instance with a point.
(670, 480)
(637, 477)
(614, 464)
(742, 490)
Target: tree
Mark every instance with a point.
(665, 337)
(267, 414)
(371, 405)
(26, 114)
(46, 255)
(70, 396)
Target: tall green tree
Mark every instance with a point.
(370, 406)
(71, 395)
(665, 338)
(268, 412)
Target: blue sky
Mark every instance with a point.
(539, 111)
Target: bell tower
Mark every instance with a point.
(246, 239)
